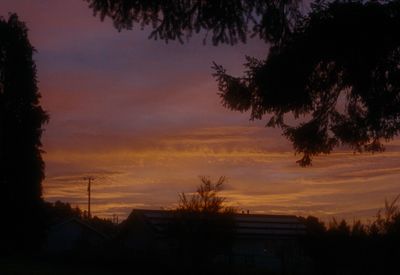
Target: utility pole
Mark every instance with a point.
(89, 179)
(115, 219)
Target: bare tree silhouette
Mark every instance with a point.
(203, 226)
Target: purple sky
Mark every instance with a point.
(144, 118)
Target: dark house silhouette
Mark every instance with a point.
(73, 235)
(270, 241)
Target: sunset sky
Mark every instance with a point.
(143, 117)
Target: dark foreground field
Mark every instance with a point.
(26, 266)
(42, 267)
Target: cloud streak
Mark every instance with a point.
(261, 179)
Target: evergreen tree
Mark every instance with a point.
(21, 121)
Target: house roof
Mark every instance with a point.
(246, 225)
(80, 223)
(250, 225)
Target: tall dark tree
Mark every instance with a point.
(21, 121)
(331, 77)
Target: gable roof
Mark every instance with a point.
(246, 225)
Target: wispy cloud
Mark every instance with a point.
(260, 178)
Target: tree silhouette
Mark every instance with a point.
(21, 121)
(331, 77)
(357, 248)
(206, 199)
(203, 226)
(229, 21)
(337, 73)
